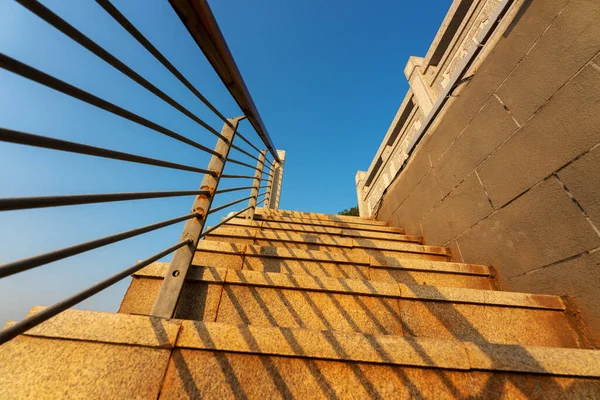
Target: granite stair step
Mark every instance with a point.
(346, 245)
(340, 265)
(94, 354)
(242, 297)
(238, 223)
(332, 224)
(266, 212)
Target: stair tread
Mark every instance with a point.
(351, 225)
(362, 287)
(125, 329)
(384, 262)
(319, 216)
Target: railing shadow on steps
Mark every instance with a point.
(200, 23)
(490, 384)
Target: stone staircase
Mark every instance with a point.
(306, 305)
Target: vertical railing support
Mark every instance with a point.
(256, 183)
(267, 203)
(166, 301)
(277, 181)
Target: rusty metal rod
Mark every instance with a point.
(223, 222)
(24, 203)
(133, 31)
(26, 71)
(244, 151)
(231, 160)
(228, 205)
(23, 326)
(237, 176)
(28, 139)
(63, 26)
(35, 261)
(232, 189)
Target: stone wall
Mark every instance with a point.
(509, 175)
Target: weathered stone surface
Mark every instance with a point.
(483, 324)
(309, 255)
(36, 368)
(421, 200)
(566, 127)
(582, 179)
(266, 213)
(380, 235)
(462, 208)
(263, 306)
(105, 327)
(330, 345)
(342, 225)
(431, 278)
(202, 374)
(490, 127)
(288, 226)
(303, 267)
(568, 44)
(541, 227)
(216, 254)
(540, 360)
(433, 266)
(385, 254)
(396, 246)
(578, 279)
(313, 283)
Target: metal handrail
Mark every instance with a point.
(219, 56)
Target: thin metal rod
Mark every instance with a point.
(231, 160)
(133, 31)
(28, 139)
(23, 326)
(232, 189)
(249, 142)
(260, 202)
(26, 71)
(214, 210)
(23, 203)
(36, 261)
(224, 221)
(261, 194)
(237, 176)
(60, 24)
(243, 151)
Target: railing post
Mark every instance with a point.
(277, 179)
(167, 298)
(256, 183)
(267, 203)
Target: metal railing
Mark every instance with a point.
(200, 22)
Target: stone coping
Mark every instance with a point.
(94, 326)
(362, 287)
(379, 261)
(325, 240)
(135, 330)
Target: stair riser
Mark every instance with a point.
(263, 213)
(267, 306)
(341, 225)
(312, 229)
(224, 375)
(347, 251)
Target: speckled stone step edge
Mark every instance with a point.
(320, 217)
(124, 329)
(320, 230)
(346, 225)
(324, 240)
(382, 262)
(361, 287)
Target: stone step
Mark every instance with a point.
(337, 265)
(88, 354)
(320, 217)
(321, 230)
(242, 297)
(331, 224)
(346, 245)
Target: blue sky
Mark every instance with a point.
(326, 76)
